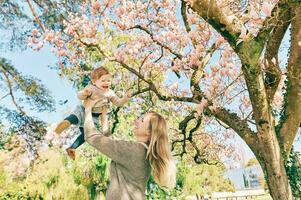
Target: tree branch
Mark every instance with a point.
(278, 14)
(11, 91)
(184, 15)
(198, 73)
(178, 55)
(293, 104)
(273, 72)
(4, 96)
(152, 86)
(229, 26)
(182, 126)
(35, 15)
(240, 126)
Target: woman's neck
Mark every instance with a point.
(143, 139)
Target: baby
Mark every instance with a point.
(98, 89)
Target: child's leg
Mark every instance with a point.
(71, 119)
(79, 140)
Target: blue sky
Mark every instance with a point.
(38, 65)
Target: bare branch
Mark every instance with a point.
(141, 91)
(182, 126)
(10, 87)
(4, 96)
(184, 15)
(178, 55)
(35, 15)
(198, 72)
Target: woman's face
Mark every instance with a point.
(142, 125)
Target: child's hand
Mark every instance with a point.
(128, 94)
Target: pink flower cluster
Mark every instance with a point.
(153, 33)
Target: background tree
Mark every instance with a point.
(204, 179)
(22, 90)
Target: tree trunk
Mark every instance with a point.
(272, 163)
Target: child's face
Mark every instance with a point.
(104, 82)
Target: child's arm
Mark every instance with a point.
(121, 101)
(85, 93)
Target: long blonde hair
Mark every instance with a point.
(159, 153)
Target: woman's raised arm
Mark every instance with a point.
(117, 150)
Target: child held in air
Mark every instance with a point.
(99, 90)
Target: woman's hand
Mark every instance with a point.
(87, 92)
(89, 103)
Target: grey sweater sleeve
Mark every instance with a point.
(117, 150)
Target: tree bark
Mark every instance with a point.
(272, 163)
(293, 108)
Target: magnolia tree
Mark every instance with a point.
(218, 60)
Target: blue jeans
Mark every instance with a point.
(81, 138)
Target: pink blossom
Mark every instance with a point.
(95, 7)
(193, 19)
(223, 72)
(219, 41)
(214, 84)
(253, 14)
(34, 32)
(214, 69)
(49, 136)
(193, 60)
(61, 52)
(70, 30)
(200, 107)
(230, 65)
(119, 56)
(174, 86)
(246, 103)
(266, 8)
(49, 36)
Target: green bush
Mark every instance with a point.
(293, 170)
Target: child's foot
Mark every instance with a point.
(62, 126)
(71, 153)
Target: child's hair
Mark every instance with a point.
(98, 72)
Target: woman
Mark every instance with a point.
(134, 161)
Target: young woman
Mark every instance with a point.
(134, 161)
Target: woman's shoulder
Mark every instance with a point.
(134, 146)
